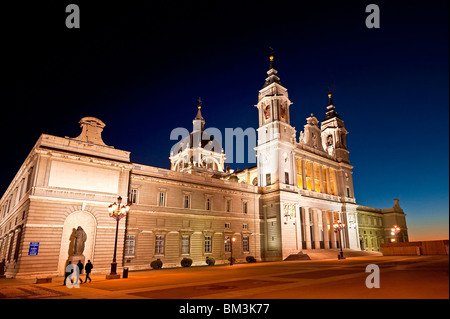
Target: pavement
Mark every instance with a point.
(400, 277)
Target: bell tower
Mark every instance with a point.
(333, 133)
(276, 137)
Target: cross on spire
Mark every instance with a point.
(271, 56)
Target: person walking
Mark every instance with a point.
(88, 269)
(80, 268)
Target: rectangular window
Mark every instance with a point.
(187, 201)
(348, 192)
(245, 244)
(208, 244)
(227, 244)
(333, 182)
(286, 177)
(185, 244)
(130, 243)
(228, 205)
(244, 226)
(208, 203)
(133, 195)
(309, 181)
(298, 163)
(227, 225)
(162, 199)
(159, 244)
(245, 207)
(268, 179)
(316, 178)
(30, 175)
(22, 185)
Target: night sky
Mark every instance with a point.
(141, 66)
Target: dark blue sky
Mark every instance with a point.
(141, 67)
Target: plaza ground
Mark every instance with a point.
(401, 277)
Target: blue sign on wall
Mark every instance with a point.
(34, 248)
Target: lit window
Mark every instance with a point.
(245, 244)
(130, 243)
(299, 173)
(159, 244)
(133, 195)
(208, 244)
(228, 205)
(185, 244)
(162, 199)
(187, 201)
(227, 244)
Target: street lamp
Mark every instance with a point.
(117, 212)
(338, 226)
(394, 232)
(230, 241)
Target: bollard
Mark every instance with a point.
(125, 272)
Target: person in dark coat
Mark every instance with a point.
(88, 269)
(80, 269)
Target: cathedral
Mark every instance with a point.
(56, 207)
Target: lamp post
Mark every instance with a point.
(394, 232)
(338, 226)
(117, 212)
(231, 241)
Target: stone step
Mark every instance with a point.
(299, 256)
(321, 254)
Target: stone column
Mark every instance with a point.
(345, 233)
(307, 229)
(332, 233)
(298, 227)
(325, 230)
(316, 227)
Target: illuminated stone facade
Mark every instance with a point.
(288, 202)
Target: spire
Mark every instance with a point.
(199, 113)
(272, 78)
(199, 121)
(330, 101)
(331, 111)
(271, 56)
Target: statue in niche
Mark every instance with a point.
(267, 112)
(330, 140)
(283, 111)
(314, 138)
(79, 241)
